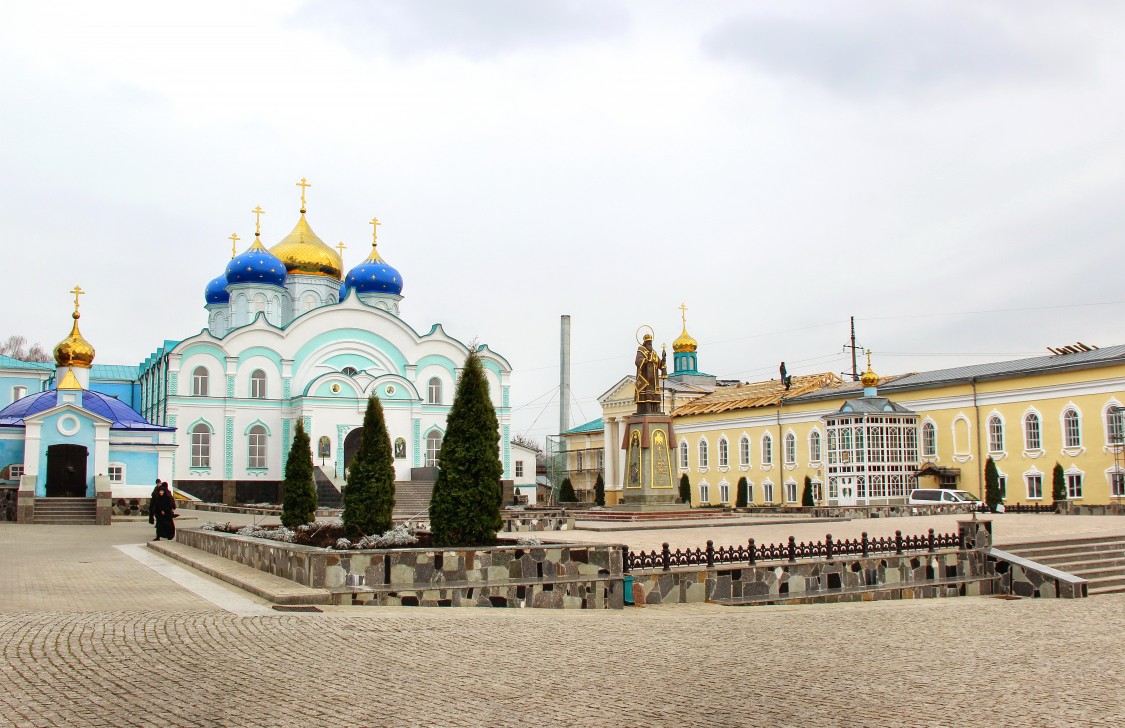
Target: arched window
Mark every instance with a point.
(767, 491)
(1115, 425)
(814, 446)
(790, 448)
(1072, 429)
(704, 493)
(258, 385)
(724, 455)
(256, 447)
(744, 451)
(683, 455)
(703, 453)
(349, 371)
(433, 448)
(929, 440)
(767, 450)
(724, 492)
(995, 434)
(201, 446)
(199, 380)
(434, 391)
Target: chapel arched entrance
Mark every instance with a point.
(66, 471)
(351, 445)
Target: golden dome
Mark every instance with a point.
(304, 253)
(684, 343)
(74, 351)
(869, 378)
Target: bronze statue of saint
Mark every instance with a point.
(650, 368)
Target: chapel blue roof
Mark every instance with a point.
(216, 291)
(8, 362)
(374, 275)
(120, 415)
(255, 265)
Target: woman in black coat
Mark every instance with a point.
(162, 510)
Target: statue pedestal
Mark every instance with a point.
(650, 482)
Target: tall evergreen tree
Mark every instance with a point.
(566, 492)
(685, 489)
(1058, 484)
(298, 506)
(465, 507)
(599, 490)
(806, 494)
(742, 493)
(992, 495)
(369, 499)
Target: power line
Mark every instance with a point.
(994, 310)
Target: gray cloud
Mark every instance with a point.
(477, 29)
(890, 49)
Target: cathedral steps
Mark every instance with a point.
(1100, 559)
(66, 511)
(327, 494)
(412, 498)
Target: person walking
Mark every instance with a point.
(162, 511)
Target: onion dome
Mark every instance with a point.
(216, 291)
(684, 342)
(374, 275)
(254, 265)
(304, 253)
(869, 379)
(74, 351)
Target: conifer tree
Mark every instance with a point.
(465, 507)
(599, 490)
(566, 492)
(298, 505)
(992, 495)
(685, 489)
(806, 494)
(742, 493)
(1058, 484)
(369, 499)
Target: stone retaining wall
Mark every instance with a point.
(8, 498)
(555, 575)
(1082, 509)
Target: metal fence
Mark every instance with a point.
(752, 552)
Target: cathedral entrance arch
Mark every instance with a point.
(351, 445)
(66, 471)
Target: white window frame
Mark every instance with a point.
(704, 493)
(791, 491)
(703, 453)
(1116, 479)
(19, 392)
(1032, 432)
(1074, 484)
(259, 384)
(432, 453)
(749, 493)
(790, 448)
(257, 447)
(744, 451)
(995, 434)
(929, 439)
(818, 491)
(1072, 436)
(1114, 425)
(434, 390)
(1036, 493)
(117, 469)
(767, 491)
(815, 450)
(519, 469)
(200, 381)
(201, 434)
(15, 471)
(724, 454)
(683, 455)
(724, 492)
(767, 450)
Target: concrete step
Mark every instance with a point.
(1047, 548)
(66, 511)
(1096, 572)
(1106, 584)
(1081, 561)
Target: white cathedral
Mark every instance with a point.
(289, 337)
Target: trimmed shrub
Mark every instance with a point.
(566, 492)
(992, 495)
(806, 493)
(369, 499)
(1058, 483)
(465, 507)
(298, 506)
(742, 493)
(599, 490)
(685, 489)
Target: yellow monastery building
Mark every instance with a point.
(871, 442)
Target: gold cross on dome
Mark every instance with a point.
(258, 212)
(303, 184)
(341, 247)
(77, 291)
(374, 231)
(868, 359)
(234, 244)
(683, 313)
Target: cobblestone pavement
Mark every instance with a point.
(100, 643)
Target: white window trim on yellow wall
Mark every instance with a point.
(704, 455)
(767, 449)
(997, 454)
(683, 456)
(1034, 472)
(1030, 452)
(816, 455)
(923, 455)
(962, 456)
(704, 493)
(1073, 471)
(1071, 450)
(789, 450)
(724, 491)
(1109, 473)
(790, 491)
(746, 463)
(723, 454)
(1109, 407)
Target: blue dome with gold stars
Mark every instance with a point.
(255, 265)
(374, 275)
(216, 291)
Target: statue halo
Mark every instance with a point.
(640, 339)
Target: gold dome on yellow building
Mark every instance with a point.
(684, 342)
(869, 378)
(304, 253)
(74, 350)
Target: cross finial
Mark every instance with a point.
(258, 212)
(234, 244)
(869, 359)
(374, 231)
(303, 184)
(683, 313)
(341, 248)
(77, 291)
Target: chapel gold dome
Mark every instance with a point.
(304, 253)
(684, 342)
(74, 351)
(869, 378)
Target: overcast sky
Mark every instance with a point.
(952, 174)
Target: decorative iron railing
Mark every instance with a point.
(1030, 508)
(753, 552)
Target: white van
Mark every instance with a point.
(934, 496)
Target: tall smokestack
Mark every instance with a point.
(564, 375)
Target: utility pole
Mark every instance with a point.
(854, 348)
